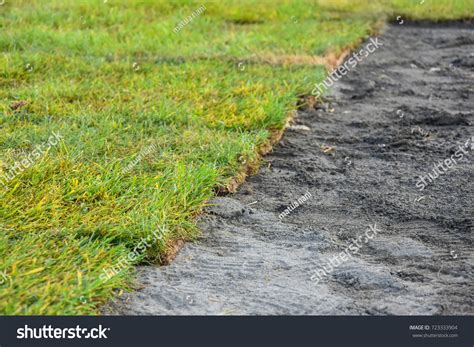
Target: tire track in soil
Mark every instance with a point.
(247, 261)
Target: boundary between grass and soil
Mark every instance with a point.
(330, 60)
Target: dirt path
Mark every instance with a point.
(404, 109)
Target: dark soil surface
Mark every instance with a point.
(404, 109)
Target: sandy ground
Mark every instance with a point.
(405, 108)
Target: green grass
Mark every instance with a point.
(113, 78)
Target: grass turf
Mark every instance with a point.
(113, 78)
